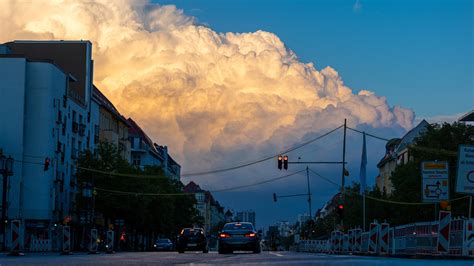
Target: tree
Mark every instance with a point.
(111, 176)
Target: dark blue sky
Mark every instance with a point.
(419, 54)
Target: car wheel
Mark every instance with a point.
(257, 250)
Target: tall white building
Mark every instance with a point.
(246, 216)
(45, 92)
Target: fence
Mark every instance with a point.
(448, 237)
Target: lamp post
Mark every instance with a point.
(6, 169)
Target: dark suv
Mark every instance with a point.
(192, 239)
(238, 236)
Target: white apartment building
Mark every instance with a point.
(45, 93)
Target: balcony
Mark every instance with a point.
(110, 136)
(59, 146)
(74, 153)
(82, 129)
(75, 127)
(59, 117)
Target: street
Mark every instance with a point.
(197, 258)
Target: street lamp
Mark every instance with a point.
(6, 169)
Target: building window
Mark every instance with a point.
(136, 160)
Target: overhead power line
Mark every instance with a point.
(261, 160)
(379, 199)
(367, 134)
(257, 183)
(131, 193)
(120, 174)
(207, 172)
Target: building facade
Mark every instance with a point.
(47, 99)
(109, 125)
(246, 216)
(144, 152)
(211, 212)
(397, 152)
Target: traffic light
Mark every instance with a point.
(285, 162)
(280, 161)
(274, 197)
(46, 164)
(340, 211)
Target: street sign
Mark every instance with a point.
(435, 182)
(465, 176)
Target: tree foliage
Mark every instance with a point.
(163, 215)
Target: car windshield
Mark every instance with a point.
(238, 226)
(192, 232)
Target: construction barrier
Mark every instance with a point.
(93, 242)
(339, 239)
(443, 232)
(357, 240)
(384, 238)
(345, 242)
(469, 251)
(373, 237)
(351, 240)
(40, 245)
(16, 237)
(449, 237)
(66, 240)
(457, 243)
(110, 241)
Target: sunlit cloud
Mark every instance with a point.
(204, 94)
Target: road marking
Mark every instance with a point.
(276, 254)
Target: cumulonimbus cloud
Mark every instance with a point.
(199, 91)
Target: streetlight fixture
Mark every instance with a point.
(6, 169)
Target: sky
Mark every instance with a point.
(418, 54)
(224, 83)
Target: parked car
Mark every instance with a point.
(163, 244)
(193, 239)
(238, 236)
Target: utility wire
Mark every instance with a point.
(367, 134)
(211, 191)
(257, 183)
(208, 171)
(325, 178)
(261, 160)
(120, 174)
(379, 199)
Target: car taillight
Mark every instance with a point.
(224, 235)
(250, 235)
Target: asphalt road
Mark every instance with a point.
(212, 258)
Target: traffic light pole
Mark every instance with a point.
(309, 192)
(4, 209)
(343, 157)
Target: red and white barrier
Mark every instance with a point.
(358, 240)
(15, 238)
(351, 240)
(469, 239)
(110, 241)
(373, 237)
(93, 242)
(384, 238)
(66, 240)
(443, 231)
